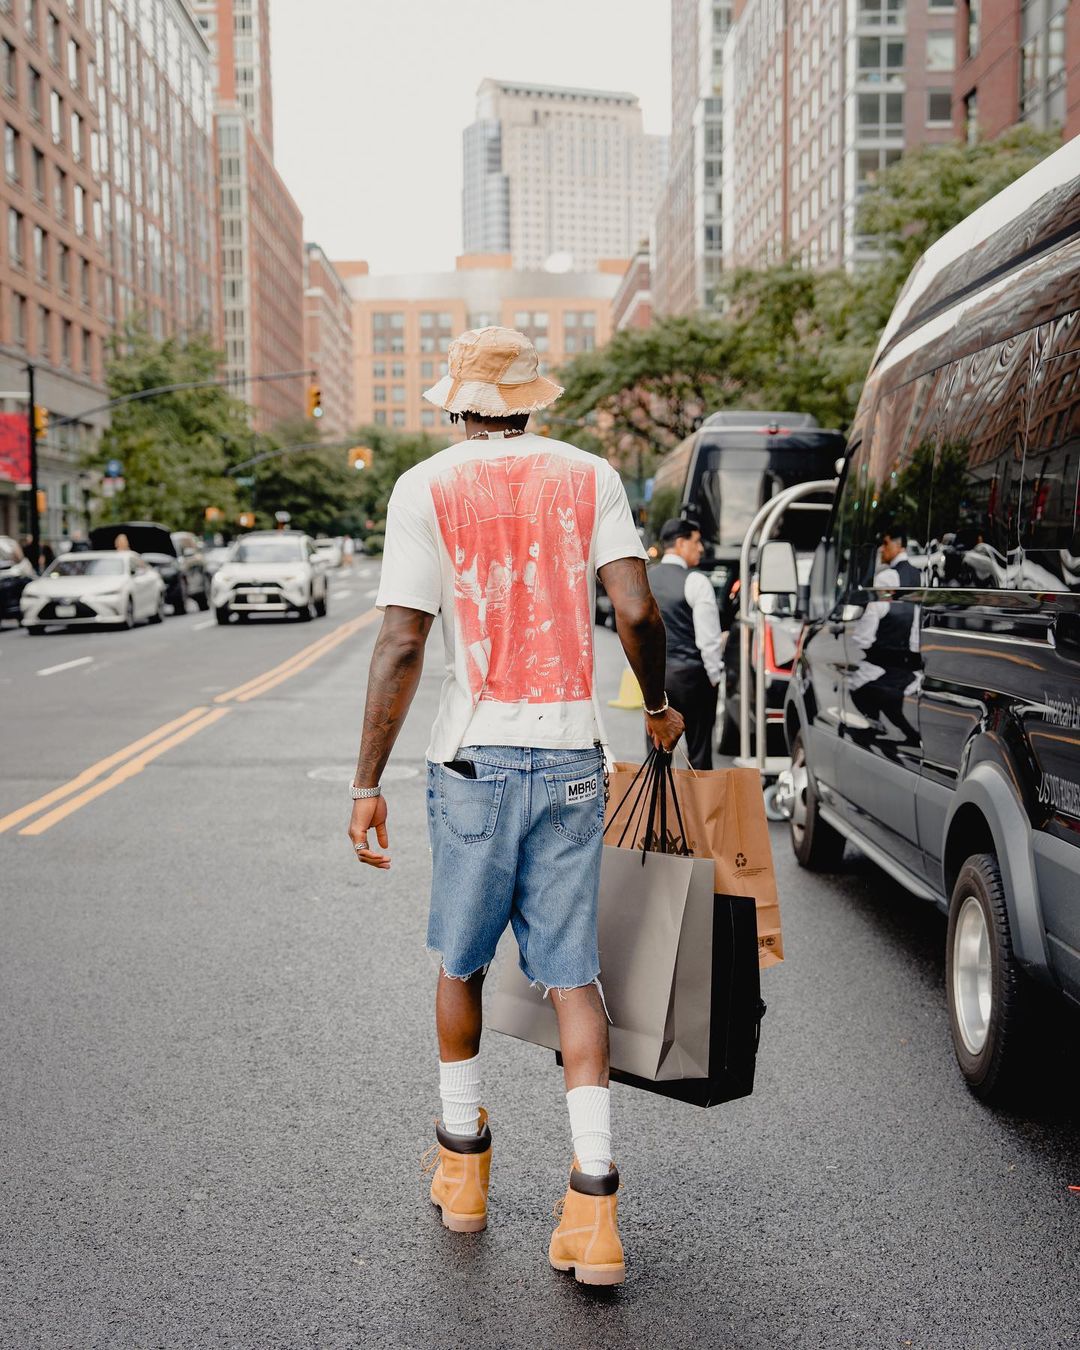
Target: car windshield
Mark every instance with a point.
(269, 551)
(88, 567)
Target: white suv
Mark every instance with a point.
(270, 572)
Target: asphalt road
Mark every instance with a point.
(217, 1062)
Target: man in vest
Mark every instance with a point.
(694, 645)
(894, 542)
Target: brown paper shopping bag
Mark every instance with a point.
(723, 815)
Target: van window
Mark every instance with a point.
(1050, 495)
(976, 491)
(894, 474)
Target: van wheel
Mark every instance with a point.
(817, 846)
(989, 996)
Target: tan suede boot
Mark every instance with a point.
(460, 1185)
(587, 1238)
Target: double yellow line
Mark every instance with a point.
(132, 759)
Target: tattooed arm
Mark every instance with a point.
(396, 664)
(641, 632)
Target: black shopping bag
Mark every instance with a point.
(679, 964)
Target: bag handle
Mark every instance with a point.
(654, 780)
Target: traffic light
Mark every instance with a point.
(42, 502)
(314, 401)
(41, 419)
(213, 513)
(360, 457)
(246, 520)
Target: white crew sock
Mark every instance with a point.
(459, 1087)
(590, 1124)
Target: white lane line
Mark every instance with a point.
(66, 665)
(341, 595)
(206, 623)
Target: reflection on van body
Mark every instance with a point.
(958, 769)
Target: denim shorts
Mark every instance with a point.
(520, 844)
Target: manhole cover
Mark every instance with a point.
(343, 773)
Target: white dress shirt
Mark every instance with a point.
(701, 598)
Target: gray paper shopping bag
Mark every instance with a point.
(655, 932)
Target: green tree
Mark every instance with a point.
(174, 447)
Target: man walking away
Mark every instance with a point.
(694, 647)
(503, 536)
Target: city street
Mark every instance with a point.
(220, 1068)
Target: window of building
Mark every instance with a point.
(427, 370)
(971, 117)
(427, 417)
(30, 20)
(73, 63)
(378, 393)
(54, 39)
(397, 393)
(15, 238)
(12, 154)
(37, 160)
(9, 68)
(398, 370)
(56, 117)
(76, 136)
(521, 319)
(880, 59)
(939, 106)
(427, 319)
(18, 319)
(378, 370)
(888, 13)
(33, 92)
(877, 113)
(397, 320)
(380, 417)
(940, 51)
(379, 343)
(444, 343)
(974, 34)
(80, 209)
(399, 418)
(65, 343)
(44, 341)
(87, 352)
(446, 320)
(41, 254)
(84, 281)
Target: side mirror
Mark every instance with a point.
(839, 466)
(822, 588)
(777, 573)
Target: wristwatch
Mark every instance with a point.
(361, 794)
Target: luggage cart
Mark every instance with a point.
(762, 527)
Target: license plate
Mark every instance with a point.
(256, 597)
(65, 611)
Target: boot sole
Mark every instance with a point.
(592, 1274)
(461, 1223)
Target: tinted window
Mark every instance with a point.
(88, 567)
(890, 480)
(738, 478)
(975, 535)
(269, 551)
(1050, 495)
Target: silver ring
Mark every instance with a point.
(359, 848)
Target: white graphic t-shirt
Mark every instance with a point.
(503, 538)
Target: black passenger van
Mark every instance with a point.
(937, 723)
(724, 472)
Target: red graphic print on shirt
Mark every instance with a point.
(518, 531)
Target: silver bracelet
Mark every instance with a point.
(655, 712)
(361, 794)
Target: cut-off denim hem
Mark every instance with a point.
(436, 958)
(563, 990)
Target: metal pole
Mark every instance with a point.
(35, 519)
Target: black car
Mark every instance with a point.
(177, 556)
(16, 573)
(937, 724)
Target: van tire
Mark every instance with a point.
(993, 1070)
(816, 845)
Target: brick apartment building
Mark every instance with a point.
(1017, 63)
(328, 340)
(632, 306)
(819, 98)
(403, 326)
(261, 228)
(107, 203)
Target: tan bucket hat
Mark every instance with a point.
(494, 372)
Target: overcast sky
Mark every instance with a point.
(371, 97)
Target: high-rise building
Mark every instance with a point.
(328, 339)
(1018, 62)
(687, 234)
(558, 174)
(819, 97)
(108, 211)
(403, 326)
(260, 226)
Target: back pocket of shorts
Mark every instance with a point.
(577, 804)
(470, 806)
